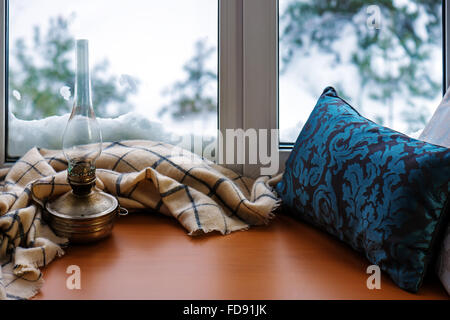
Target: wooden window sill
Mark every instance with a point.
(151, 257)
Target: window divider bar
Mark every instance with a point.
(260, 69)
(3, 93)
(230, 74)
(446, 42)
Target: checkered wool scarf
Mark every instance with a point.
(143, 175)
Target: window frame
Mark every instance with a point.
(3, 79)
(248, 86)
(445, 45)
(247, 71)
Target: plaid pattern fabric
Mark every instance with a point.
(143, 175)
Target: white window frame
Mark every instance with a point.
(248, 69)
(3, 94)
(445, 44)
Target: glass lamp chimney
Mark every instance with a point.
(82, 139)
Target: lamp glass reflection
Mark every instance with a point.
(82, 139)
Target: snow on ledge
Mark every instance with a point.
(47, 133)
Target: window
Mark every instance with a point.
(269, 59)
(153, 69)
(385, 58)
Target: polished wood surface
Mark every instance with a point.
(151, 257)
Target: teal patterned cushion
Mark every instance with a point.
(380, 191)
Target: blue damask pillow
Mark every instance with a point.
(378, 190)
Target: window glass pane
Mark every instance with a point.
(383, 57)
(153, 68)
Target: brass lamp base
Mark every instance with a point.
(82, 218)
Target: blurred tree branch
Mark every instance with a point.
(40, 71)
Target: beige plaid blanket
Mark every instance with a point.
(201, 195)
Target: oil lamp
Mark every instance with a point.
(83, 214)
